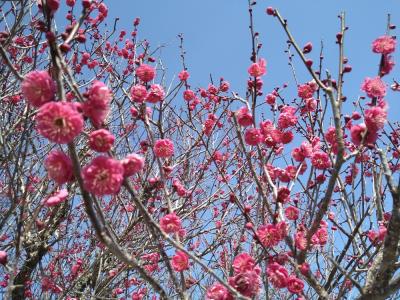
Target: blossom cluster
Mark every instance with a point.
(141, 92)
(246, 279)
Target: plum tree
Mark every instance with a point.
(116, 185)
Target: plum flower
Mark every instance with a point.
(320, 237)
(170, 223)
(253, 136)
(3, 257)
(330, 136)
(38, 88)
(307, 48)
(359, 133)
(283, 194)
(244, 262)
(59, 122)
(374, 87)
(295, 285)
(246, 283)
(58, 166)
(244, 116)
(103, 176)
(208, 127)
(375, 118)
(103, 9)
(56, 199)
(133, 163)
(224, 86)
(163, 148)
(138, 93)
(387, 65)
(377, 237)
(270, 99)
(384, 45)
(53, 5)
(277, 275)
(268, 235)
(320, 160)
(155, 94)
(310, 105)
(292, 213)
(300, 240)
(287, 117)
(189, 95)
(101, 140)
(247, 275)
(97, 105)
(99, 92)
(183, 75)
(307, 90)
(258, 69)
(271, 136)
(180, 261)
(145, 73)
(218, 292)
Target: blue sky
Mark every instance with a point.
(217, 39)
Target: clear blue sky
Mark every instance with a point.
(217, 38)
